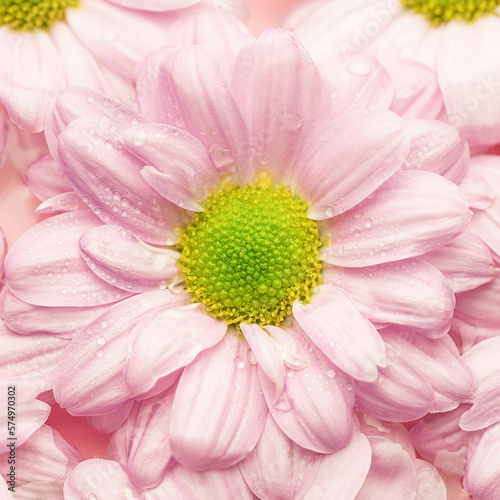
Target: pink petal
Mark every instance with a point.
(65, 202)
(398, 221)
(349, 159)
(105, 30)
(282, 96)
(469, 82)
(350, 465)
(120, 258)
(477, 189)
(109, 181)
(219, 410)
(392, 473)
(358, 82)
(44, 266)
(439, 362)
(200, 101)
(165, 341)
(287, 347)
(483, 360)
(267, 355)
(89, 380)
(430, 485)
(27, 414)
(3, 252)
(28, 319)
(437, 147)
(292, 471)
(32, 357)
(59, 458)
(465, 262)
(482, 473)
(441, 442)
(99, 478)
(144, 439)
(183, 172)
(400, 393)
(171, 488)
(334, 324)
(417, 92)
(45, 178)
(407, 292)
(315, 410)
(110, 421)
(155, 5)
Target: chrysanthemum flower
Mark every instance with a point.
(458, 39)
(209, 249)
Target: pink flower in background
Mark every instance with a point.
(458, 40)
(3, 251)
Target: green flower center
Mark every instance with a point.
(29, 15)
(443, 11)
(251, 253)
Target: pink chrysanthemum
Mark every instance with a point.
(179, 236)
(456, 38)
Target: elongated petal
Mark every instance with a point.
(349, 159)
(110, 422)
(89, 380)
(100, 478)
(267, 355)
(166, 341)
(219, 410)
(333, 323)
(28, 319)
(293, 470)
(171, 488)
(430, 485)
(477, 189)
(109, 181)
(123, 260)
(44, 266)
(439, 362)
(183, 172)
(32, 357)
(398, 221)
(315, 410)
(156, 5)
(437, 147)
(408, 292)
(482, 359)
(392, 473)
(400, 393)
(3, 252)
(350, 465)
(45, 178)
(64, 202)
(282, 96)
(465, 262)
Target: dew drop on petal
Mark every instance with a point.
(329, 211)
(330, 374)
(101, 340)
(99, 353)
(104, 324)
(239, 362)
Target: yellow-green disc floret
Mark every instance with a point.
(29, 15)
(443, 11)
(251, 253)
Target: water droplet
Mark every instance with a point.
(329, 211)
(99, 353)
(109, 144)
(330, 374)
(368, 223)
(383, 253)
(119, 113)
(348, 386)
(101, 340)
(140, 137)
(359, 68)
(239, 362)
(91, 98)
(104, 323)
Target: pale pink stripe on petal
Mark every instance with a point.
(44, 266)
(89, 380)
(315, 410)
(345, 337)
(104, 479)
(439, 362)
(171, 488)
(268, 356)
(27, 413)
(110, 421)
(45, 178)
(183, 173)
(219, 410)
(32, 357)
(27, 319)
(483, 360)
(196, 97)
(278, 468)
(349, 159)
(392, 473)
(407, 292)
(465, 261)
(400, 393)
(430, 485)
(283, 98)
(417, 92)
(437, 147)
(120, 258)
(64, 202)
(165, 341)
(155, 5)
(349, 466)
(414, 212)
